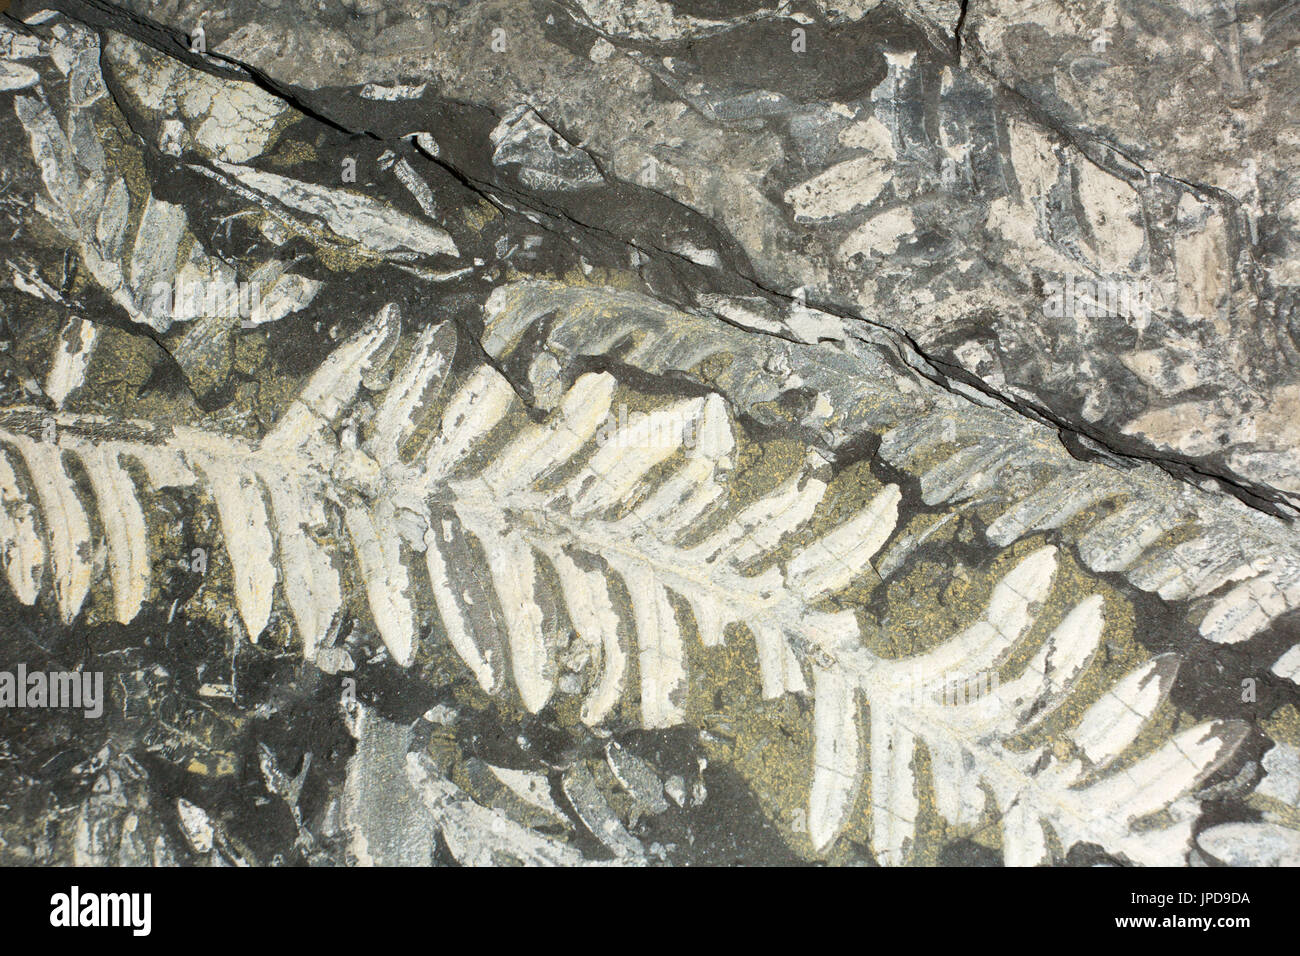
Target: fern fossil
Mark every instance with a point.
(561, 556)
(557, 550)
(135, 246)
(87, 200)
(1238, 570)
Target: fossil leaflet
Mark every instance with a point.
(553, 526)
(125, 250)
(1238, 570)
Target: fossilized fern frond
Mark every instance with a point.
(566, 554)
(86, 198)
(1241, 570)
(1238, 569)
(1083, 787)
(134, 247)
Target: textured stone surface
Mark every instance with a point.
(1138, 146)
(652, 432)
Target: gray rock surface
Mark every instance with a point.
(939, 189)
(644, 433)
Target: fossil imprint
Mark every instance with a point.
(558, 554)
(564, 544)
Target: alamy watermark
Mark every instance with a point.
(181, 300)
(76, 909)
(78, 690)
(1097, 298)
(650, 431)
(922, 692)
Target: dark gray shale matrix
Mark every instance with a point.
(570, 432)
